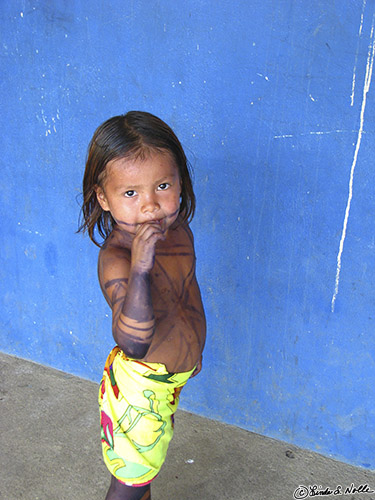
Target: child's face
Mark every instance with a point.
(139, 191)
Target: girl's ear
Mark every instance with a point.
(102, 200)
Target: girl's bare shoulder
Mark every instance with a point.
(182, 233)
(114, 258)
(117, 242)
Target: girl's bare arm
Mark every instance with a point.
(125, 280)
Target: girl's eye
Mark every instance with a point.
(130, 194)
(164, 186)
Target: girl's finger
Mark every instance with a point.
(147, 230)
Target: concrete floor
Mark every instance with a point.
(50, 450)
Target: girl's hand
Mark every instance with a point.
(143, 246)
(198, 368)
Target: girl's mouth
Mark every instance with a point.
(157, 222)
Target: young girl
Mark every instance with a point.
(138, 195)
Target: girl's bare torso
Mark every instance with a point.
(180, 326)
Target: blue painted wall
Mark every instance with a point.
(274, 104)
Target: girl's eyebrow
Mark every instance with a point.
(135, 188)
(128, 188)
(165, 178)
(170, 175)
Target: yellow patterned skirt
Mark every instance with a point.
(137, 401)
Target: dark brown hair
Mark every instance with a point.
(132, 135)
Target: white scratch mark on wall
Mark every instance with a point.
(356, 54)
(366, 87)
(51, 123)
(29, 231)
(283, 136)
(313, 132)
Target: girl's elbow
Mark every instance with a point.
(130, 344)
(137, 351)
(134, 349)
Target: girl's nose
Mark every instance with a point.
(150, 205)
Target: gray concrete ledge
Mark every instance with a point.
(50, 449)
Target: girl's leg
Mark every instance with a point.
(119, 491)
